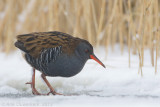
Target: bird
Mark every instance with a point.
(54, 54)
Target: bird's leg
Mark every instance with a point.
(34, 91)
(50, 87)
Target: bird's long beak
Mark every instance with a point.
(97, 60)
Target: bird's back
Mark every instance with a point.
(35, 43)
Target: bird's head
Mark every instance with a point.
(85, 51)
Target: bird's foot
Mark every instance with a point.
(29, 83)
(54, 93)
(34, 90)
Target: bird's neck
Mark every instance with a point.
(80, 57)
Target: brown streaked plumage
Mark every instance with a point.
(35, 43)
(54, 54)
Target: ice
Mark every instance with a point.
(117, 85)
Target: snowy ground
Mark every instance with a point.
(117, 85)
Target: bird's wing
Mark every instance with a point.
(35, 43)
(47, 55)
(50, 54)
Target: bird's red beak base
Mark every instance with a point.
(97, 60)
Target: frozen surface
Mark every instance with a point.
(118, 85)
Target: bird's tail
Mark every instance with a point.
(20, 45)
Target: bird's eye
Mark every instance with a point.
(86, 51)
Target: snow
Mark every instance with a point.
(117, 85)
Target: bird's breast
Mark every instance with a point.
(65, 66)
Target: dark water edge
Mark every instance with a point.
(30, 95)
(16, 95)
